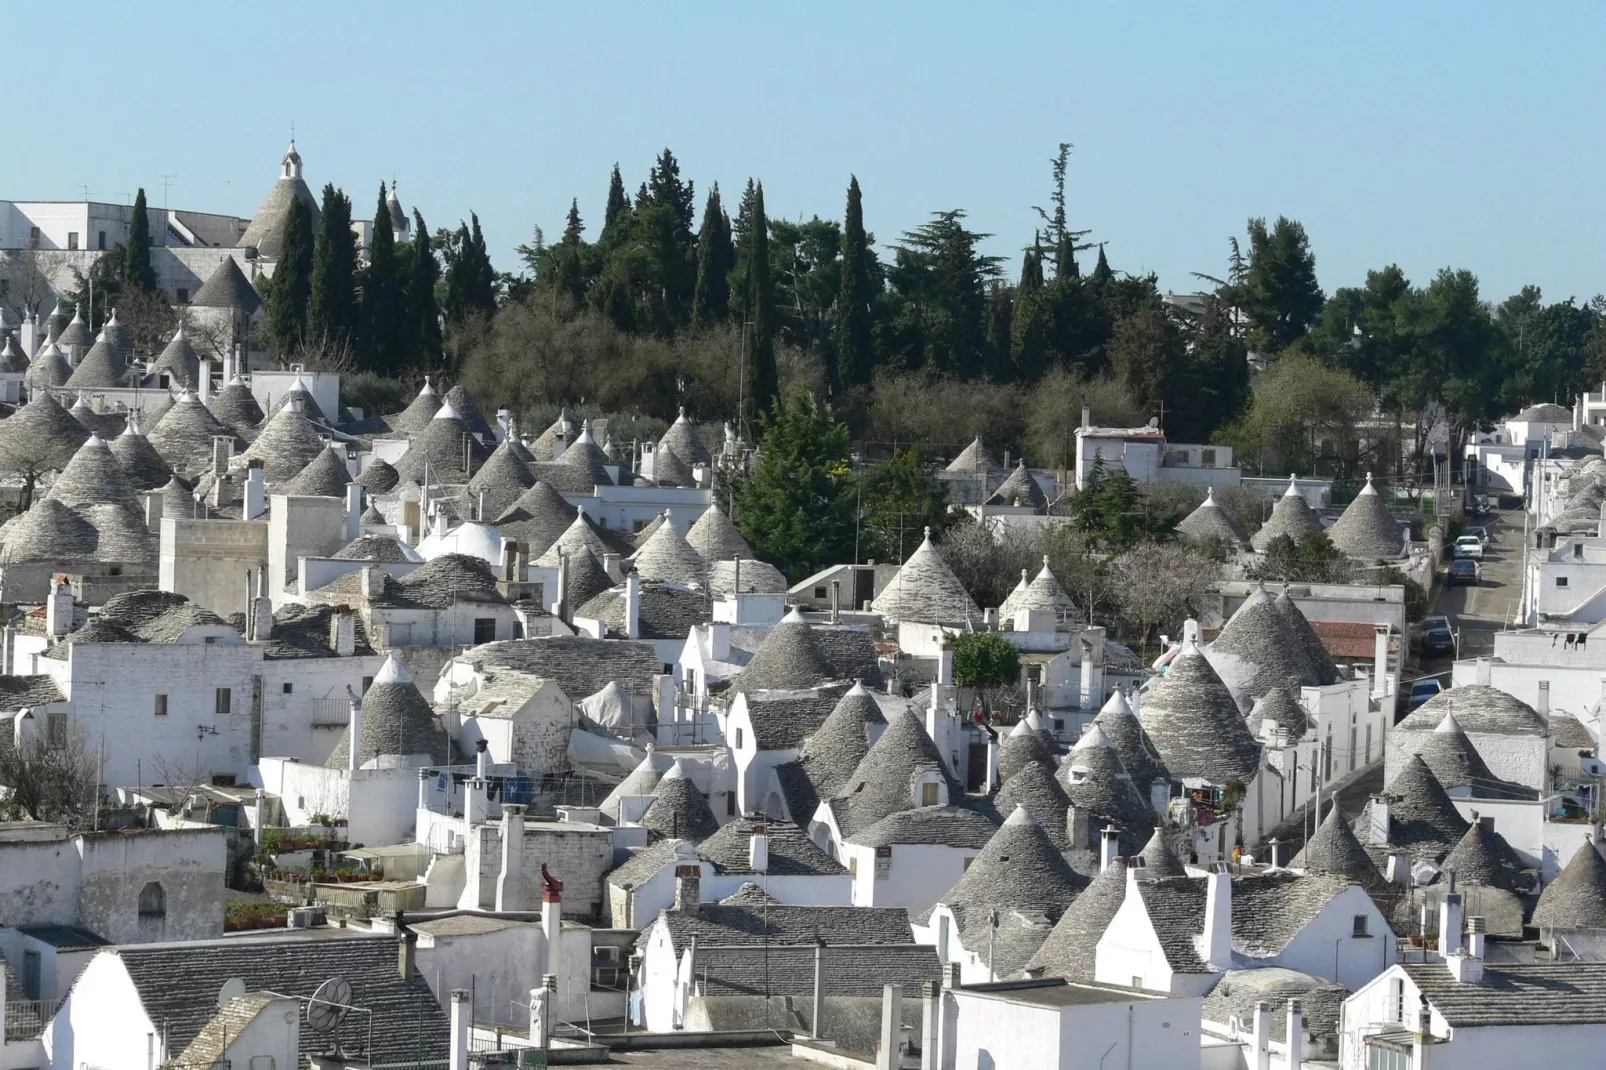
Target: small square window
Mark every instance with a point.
(183, 295)
(1358, 926)
(928, 794)
(738, 739)
(1561, 581)
(288, 687)
(484, 630)
(819, 592)
(1207, 458)
(161, 706)
(223, 701)
(968, 861)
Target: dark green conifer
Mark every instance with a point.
(423, 311)
(382, 314)
(762, 384)
(137, 273)
(715, 257)
(290, 289)
(332, 306)
(854, 341)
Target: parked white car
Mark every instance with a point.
(1469, 546)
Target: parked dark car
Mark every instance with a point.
(1422, 690)
(1438, 643)
(1463, 572)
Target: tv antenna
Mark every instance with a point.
(167, 180)
(329, 1006)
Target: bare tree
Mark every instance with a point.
(31, 456)
(45, 779)
(1161, 584)
(27, 279)
(149, 318)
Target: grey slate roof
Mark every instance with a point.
(678, 809)
(179, 360)
(648, 530)
(1211, 523)
(1034, 789)
(287, 443)
(1278, 707)
(1098, 784)
(757, 577)
(1423, 822)
(227, 287)
(645, 862)
(783, 721)
(17, 692)
(304, 632)
(949, 826)
(882, 783)
(682, 438)
(1568, 732)
(789, 658)
(49, 531)
(791, 852)
(418, 412)
(831, 752)
(1020, 489)
(121, 534)
(1071, 948)
(1315, 650)
(266, 231)
(76, 333)
(379, 477)
(581, 534)
(1020, 870)
(925, 589)
(440, 447)
(1478, 708)
(1258, 650)
(582, 468)
(48, 368)
(974, 458)
(720, 925)
(236, 406)
(43, 429)
(106, 424)
(668, 556)
(669, 470)
(468, 410)
(102, 366)
(1576, 899)
(850, 651)
(1537, 994)
(1483, 859)
(580, 665)
(501, 479)
(92, 477)
(666, 611)
(1455, 762)
(1290, 516)
(1194, 723)
(396, 720)
(1545, 412)
(138, 458)
(1366, 530)
(1160, 857)
(1239, 990)
(715, 537)
(324, 476)
(382, 548)
(1042, 592)
(538, 517)
(178, 986)
(1120, 725)
(1335, 851)
(788, 970)
(183, 436)
(1022, 748)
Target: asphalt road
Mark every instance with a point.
(1478, 612)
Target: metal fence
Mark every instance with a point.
(26, 1019)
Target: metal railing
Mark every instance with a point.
(26, 1019)
(331, 711)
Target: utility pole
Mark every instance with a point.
(167, 180)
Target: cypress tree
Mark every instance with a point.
(137, 273)
(616, 217)
(423, 311)
(854, 343)
(1029, 329)
(382, 314)
(470, 279)
(482, 277)
(1102, 272)
(332, 306)
(569, 275)
(1065, 259)
(742, 241)
(1000, 340)
(711, 300)
(575, 228)
(291, 289)
(762, 380)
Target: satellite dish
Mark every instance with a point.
(233, 988)
(329, 1005)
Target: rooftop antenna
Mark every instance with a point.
(167, 180)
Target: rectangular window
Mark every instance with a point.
(738, 739)
(72, 239)
(853, 865)
(33, 237)
(1207, 458)
(100, 241)
(223, 701)
(1358, 926)
(1399, 1000)
(1561, 581)
(367, 682)
(1578, 550)
(183, 295)
(928, 794)
(288, 687)
(966, 863)
(484, 630)
(56, 729)
(161, 706)
(819, 592)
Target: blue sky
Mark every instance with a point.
(1428, 133)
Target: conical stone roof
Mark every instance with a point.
(416, 416)
(41, 432)
(1160, 858)
(93, 476)
(1098, 784)
(925, 589)
(1022, 747)
(396, 722)
(379, 477)
(669, 469)
(682, 438)
(228, 288)
(715, 537)
(105, 424)
(581, 534)
(325, 476)
(49, 531)
(1481, 860)
(843, 739)
(881, 784)
(121, 536)
(298, 392)
(468, 411)
(1044, 593)
(184, 435)
(178, 499)
(974, 458)
(442, 448)
(1257, 651)
(236, 406)
(1366, 530)
(287, 443)
(1576, 899)
(1279, 708)
(1034, 788)
(179, 361)
(1072, 947)
(678, 809)
(1423, 822)
(118, 336)
(648, 530)
(581, 469)
(501, 479)
(1315, 650)
(47, 369)
(1290, 516)
(1020, 489)
(588, 578)
(12, 362)
(1210, 523)
(641, 781)
(103, 366)
(1455, 763)
(789, 659)
(538, 517)
(76, 334)
(266, 231)
(1195, 725)
(757, 577)
(1335, 851)
(136, 456)
(1120, 726)
(668, 556)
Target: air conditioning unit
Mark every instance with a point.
(306, 917)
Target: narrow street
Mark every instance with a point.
(1476, 613)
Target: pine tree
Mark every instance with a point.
(1102, 272)
(616, 217)
(382, 312)
(423, 311)
(470, 279)
(291, 287)
(796, 508)
(332, 307)
(1065, 258)
(137, 273)
(742, 241)
(568, 267)
(711, 299)
(1029, 329)
(574, 230)
(482, 277)
(762, 385)
(1000, 366)
(854, 341)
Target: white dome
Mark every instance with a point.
(472, 538)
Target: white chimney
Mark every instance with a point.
(610, 565)
(206, 380)
(1109, 847)
(552, 927)
(1378, 832)
(7, 637)
(476, 801)
(58, 612)
(262, 606)
(1450, 921)
(758, 850)
(354, 704)
(482, 758)
(343, 632)
(1542, 705)
(1380, 657)
(1218, 918)
(353, 510)
(1274, 852)
(1485, 671)
(945, 663)
(632, 606)
(510, 881)
(460, 1024)
(1262, 1037)
(1296, 1034)
(256, 500)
